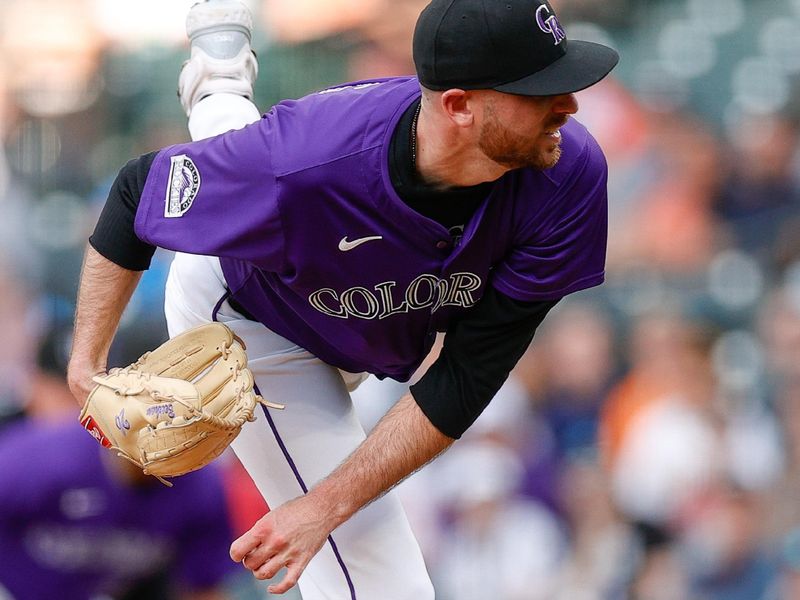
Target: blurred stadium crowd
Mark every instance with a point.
(648, 444)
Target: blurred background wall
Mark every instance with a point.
(648, 445)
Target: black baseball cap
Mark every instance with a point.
(513, 46)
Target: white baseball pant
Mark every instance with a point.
(374, 555)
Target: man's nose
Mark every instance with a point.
(565, 104)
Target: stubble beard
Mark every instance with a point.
(512, 150)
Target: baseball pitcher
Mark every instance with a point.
(334, 236)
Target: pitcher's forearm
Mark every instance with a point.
(401, 443)
(104, 292)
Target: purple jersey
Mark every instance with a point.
(70, 531)
(315, 243)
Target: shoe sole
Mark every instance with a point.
(210, 18)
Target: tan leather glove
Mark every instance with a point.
(179, 406)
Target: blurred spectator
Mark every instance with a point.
(669, 222)
(76, 521)
(725, 553)
(760, 197)
(517, 543)
(603, 546)
(660, 436)
(575, 348)
(563, 379)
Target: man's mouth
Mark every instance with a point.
(554, 134)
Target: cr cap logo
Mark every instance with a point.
(549, 24)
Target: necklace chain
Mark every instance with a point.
(414, 137)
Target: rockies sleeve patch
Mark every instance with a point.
(182, 187)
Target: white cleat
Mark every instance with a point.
(221, 60)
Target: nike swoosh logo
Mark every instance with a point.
(345, 245)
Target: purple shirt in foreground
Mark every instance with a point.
(69, 531)
(315, 243)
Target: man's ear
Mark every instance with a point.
(459, 107)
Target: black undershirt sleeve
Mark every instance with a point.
(478, 354)
(114, 236)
